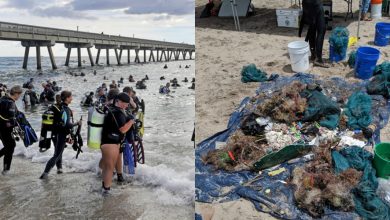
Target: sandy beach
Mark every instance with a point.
(221, 54)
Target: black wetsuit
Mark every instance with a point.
(8, 112)
(102, 99)
(47, 94)
(88, 100)
(33, 97)
(63, 123)
(313, 15)
(114, 120)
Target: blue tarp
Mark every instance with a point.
(221, 186)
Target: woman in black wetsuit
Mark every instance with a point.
(116, 124)
(63, 123)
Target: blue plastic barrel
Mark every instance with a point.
(366, 58)
(335, 57)
(382, 34)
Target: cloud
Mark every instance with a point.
(56, 11)
(22, 3)
(171, 7)
(161, 17)
(82, 5)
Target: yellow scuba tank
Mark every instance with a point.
(140, 116)
(46, 130)
(95, 127)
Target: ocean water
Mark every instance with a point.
(167, 177)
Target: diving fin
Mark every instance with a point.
(30, 137)
(140, 153)
(128, 159)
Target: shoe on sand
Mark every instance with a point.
(321, 64)
(44, 176)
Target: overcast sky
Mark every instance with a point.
(169, 20)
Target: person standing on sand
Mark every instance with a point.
(313, 15)
(8, 112)
(364, 10)
(63, 123)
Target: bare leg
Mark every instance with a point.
(110, 154)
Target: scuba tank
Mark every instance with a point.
(46, 130)
(27, 99)
(95, 127)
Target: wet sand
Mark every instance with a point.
(74, 195)
(221, 54)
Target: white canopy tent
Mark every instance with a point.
(244, 4)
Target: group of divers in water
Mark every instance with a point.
(115, 126)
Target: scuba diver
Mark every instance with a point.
(192, 86)
(63, 124)
(30, 98)
(104, 87)
(113, 85)
(47, 126)
(165, 67)
(3, 90)
(146, 77)
(48, 94)
(87, 100)
(101, 96)
(131, 79)
(313, 15)
(121, 80)
(112, 94)
(26, 84)
(175, 83)
(185, 79)
(165, 89)
(55, 87)
(128, 90)
(140, 84)
(8, 113)
(193, 80)
(116, 124)
(162, 78)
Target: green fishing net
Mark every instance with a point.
(367, 204)
(358, 110)
(321, 108)
(339, 40)
(250, 73)
(380, 84)
(352, 59)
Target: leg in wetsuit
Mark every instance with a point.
(9, 146)
(315, 36)
(313, 15)
(60, 142)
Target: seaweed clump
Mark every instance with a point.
(285, 105)
(317, 186)
(240, 152)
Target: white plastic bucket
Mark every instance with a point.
(376, 11)
(299, 55)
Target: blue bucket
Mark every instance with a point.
(335, 57)
(382, 34)
(366, 58)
